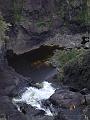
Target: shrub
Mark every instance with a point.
(62, 58)
(3, 28)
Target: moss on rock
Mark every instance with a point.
(77, 73)
(3, 28)
(63, 58)
(17, 10)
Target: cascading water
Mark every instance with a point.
(34, 96)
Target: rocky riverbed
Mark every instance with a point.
(19, 92)
(44, 60)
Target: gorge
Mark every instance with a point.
(44, 60)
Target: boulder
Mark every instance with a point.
(9, 110)
(67, 99)
(32, 113)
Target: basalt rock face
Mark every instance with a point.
(67, 98)
(33, 21)
(77, 74)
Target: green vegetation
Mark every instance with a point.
(62, 58)
(3, 28)
(84, 14)
(68, 56)
(88, 11)
(60, 9)
(18, 7)
(42, 23)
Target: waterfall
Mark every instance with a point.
(34, 96)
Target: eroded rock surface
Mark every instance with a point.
(67, 99)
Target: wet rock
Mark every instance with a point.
(87, 99)
(84, 40)
(29, 110)
(70, 114)
(32, 113)
(9, 110)
(67, 99)
(3, 117)
(87, 45)
(86, 113)
(46, 103)
(60, 116)
(84, 91)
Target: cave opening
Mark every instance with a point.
(32, 64)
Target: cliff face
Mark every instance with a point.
(35, 23)
(77, 73)
(35, 20)
(42, 13)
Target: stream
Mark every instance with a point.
(34, 96)
(33, 65)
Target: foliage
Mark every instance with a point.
(3, 28)
(67, 56)
(88, 11)
(18, 7)
(42, 23)
(83, 15)
(62, 58)
(81, 12)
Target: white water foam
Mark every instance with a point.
(34, 96)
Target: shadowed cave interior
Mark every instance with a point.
(32, 64)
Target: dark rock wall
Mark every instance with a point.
(35, 20)
(35, 10)
(77, 73)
